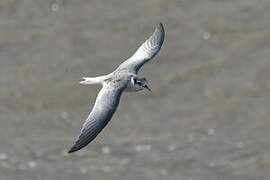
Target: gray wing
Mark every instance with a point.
(146, 51)
(102, 112)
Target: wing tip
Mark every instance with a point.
(160, 33)
(73, 149)
(161, 27)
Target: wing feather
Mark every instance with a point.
(145, 52)
(106, 104)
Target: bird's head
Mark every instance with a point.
(140, 83)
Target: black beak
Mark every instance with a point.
(146, 87)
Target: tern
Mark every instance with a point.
(124, 78)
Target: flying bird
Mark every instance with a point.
(124, 78)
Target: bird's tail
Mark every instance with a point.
(93, 80)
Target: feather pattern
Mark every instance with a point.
(145, 52)
(106, 103)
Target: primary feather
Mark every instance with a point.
(106, 103)
(145, 52)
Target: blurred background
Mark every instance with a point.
(206, 119)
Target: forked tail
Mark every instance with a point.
(93, 80)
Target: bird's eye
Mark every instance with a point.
(134, 80)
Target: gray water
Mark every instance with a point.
(206, 119)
